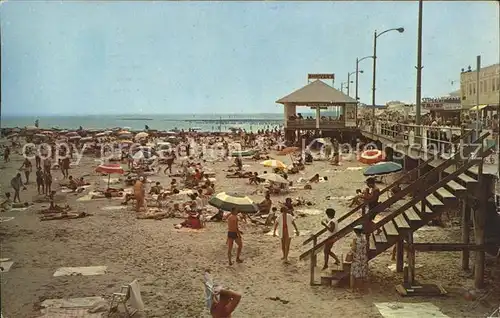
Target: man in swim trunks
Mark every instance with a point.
(233, 235)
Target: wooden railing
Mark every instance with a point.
(399, 195)
(311, 123)
(422, 165)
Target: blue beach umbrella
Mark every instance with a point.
(383, 168)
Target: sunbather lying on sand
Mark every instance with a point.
(64, 215)
(240, 174)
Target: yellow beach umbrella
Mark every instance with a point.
(273, 164)
(126, 141)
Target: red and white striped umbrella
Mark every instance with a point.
(110, 168)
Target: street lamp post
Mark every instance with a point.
(375, 36)
(349, 79)
(357, 72)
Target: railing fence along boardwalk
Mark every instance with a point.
(422, 191)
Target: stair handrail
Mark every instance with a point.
(387, 203)
(423, 194)
(433, 156)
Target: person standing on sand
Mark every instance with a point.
(285, 221)
(65, 166)
(331, 226)
(40, 184)
(16, 184)
(26, 167)
(359, 266)
(233, 235)
(6, 154)
(48, 182)
(139, 193)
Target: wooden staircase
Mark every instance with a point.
(428, 200)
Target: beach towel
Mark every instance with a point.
(354, 168)
(135, 299)
(409, 310)
(84, 271)
(6, 219)
(69, 313)
(211, 289)
(6, 264)
(81, 302)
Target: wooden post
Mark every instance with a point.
(411, 260)
(465, 232)
(399, 256)
(479, 223)
(313, 263)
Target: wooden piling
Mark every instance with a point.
(465, 232)
(399, 256)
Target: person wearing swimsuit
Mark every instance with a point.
(233, 235)
(285, 221)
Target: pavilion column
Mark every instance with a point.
(318, 116)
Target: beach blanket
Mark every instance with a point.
(409, 310)
(135, 299)
(69, 313)
(6, 219)
(81, 302)
(83, 271)
(211, 289)
(309, 211)
(6, 264)
(114, 208)
(354, 168)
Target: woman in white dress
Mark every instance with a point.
(359, 266)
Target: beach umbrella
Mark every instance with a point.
(101, 134)
(110, 168)
(171, 133)
(273, 177)
(141, 135)
(382, 168)
(86, 139)
(124, 132)
(75, 137)
(228, 201)
(273, 164)
(125, 141)
(72, 134)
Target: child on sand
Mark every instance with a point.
(233, 235)
(285, 221)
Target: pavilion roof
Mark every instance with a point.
(316, 93)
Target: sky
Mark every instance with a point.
(127, 57)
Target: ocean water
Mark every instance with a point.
(204, 122)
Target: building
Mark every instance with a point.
(333, 111)
(489, 86)
(446, 107)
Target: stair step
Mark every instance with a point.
(401, 222)
(456, 187)
(434, 202)
(390, 229)
(372, 243)
(380, 238)
(445, 194)
(412, 214)
(465, 178)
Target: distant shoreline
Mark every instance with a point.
(138, 118)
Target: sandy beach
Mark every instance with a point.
(169, 263)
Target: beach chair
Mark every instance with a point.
(129, 296)
(210, 289)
